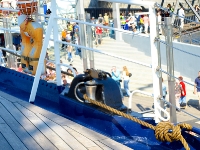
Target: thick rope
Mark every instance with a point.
(164, 131)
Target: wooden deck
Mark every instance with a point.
(25, 126)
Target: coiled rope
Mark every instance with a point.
(164, 131)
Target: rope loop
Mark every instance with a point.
(165, 131)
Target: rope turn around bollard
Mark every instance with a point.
(164, 131)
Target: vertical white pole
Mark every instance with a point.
(116, 19)
(90, 41)
(56, 44)
(170, 68)
(154, 57)
(42, 56)
(82, 32)
(38, 11)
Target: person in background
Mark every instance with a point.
(20, 69)
(69, 78)
(48, 13)
(122, 20)
(69, 47)
(196, 7)
(170, 10)
(66, 85)
(69, 26)
(197, 87)
(100, 19)
(74, 69)
(159, 21)
(63, 37)
(47, 56)
(106, 23)
(164, 90)
(125, 75)
(181, 15)
(116, 75)
(93, 27)
(131, 24)
(146, 23)
(99, 32)
(177, 91)
(182, 100)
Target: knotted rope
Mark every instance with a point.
(164, 131)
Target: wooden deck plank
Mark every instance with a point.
(114, 144)
(104, 147)
(39, 139)
(3, 142)
(20, 132)
(45, 129)
(34, 112)
(85, 141)
(12, 139)
(64, 134)
(65, 122)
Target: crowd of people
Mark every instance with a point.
(70, 34)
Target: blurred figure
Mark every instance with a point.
(63, 38)
(181, 15)
(146, 23)
(125, 76)
(69, 47)
(131, 24)
(99, 32)
(159, 21)
(93, 27)
(20, 69)
(196, 7)
(177, 94)
(100, 19)
(182, 100)
(116, 75)
(197, 87)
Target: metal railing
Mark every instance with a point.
(146, 113)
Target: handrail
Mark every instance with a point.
(158, 106)
(137, 91)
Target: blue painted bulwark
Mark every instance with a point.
(24, 82)
(116, 127)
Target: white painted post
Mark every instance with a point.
(90, 40)
(56, 45)
(116, 19)
(42, 55)
(154, 57)
(170, 68)
(82, 32)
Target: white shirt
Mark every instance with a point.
(181, 13)
(125, 77)
(68, 37)
(159, 19)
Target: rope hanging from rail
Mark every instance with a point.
(164, 131)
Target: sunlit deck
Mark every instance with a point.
(26, 126)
